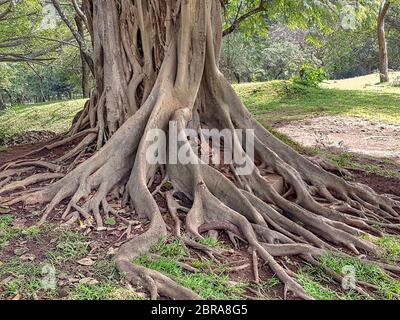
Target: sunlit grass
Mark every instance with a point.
(280, 100)
(52, 116)
(212, 280)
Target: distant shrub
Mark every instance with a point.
(310, 76)
(4, 135)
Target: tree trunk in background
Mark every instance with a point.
(383, 52)
(85, 78)
(85, 69)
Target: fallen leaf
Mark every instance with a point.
(87, 262)
(28, 257)
(88, 281)
(17, 297)
(112, 251)
(4, 210)
(21, 251)
(73, 280)
(6, 280)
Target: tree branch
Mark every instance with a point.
(238, 20)
(75, 33)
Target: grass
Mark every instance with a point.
(71, 246)
(349, 160)
(26, 281)
(322, 287)
(269, 101)
(106, 290)
(280, 100)
(52, 116)
(212, 243)
(389, 288)
(212, 282)
(369, 82)
(26, 278)
(390, 245)
(8, 232)
(314, 288)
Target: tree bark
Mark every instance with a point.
(383, 51)
(85, 69)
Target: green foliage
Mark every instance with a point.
(254, 58)
(310, 76)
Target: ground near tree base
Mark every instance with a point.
(27, 249)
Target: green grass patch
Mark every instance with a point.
(266, 286)
(6, 231)
(314, 288)
(52, 116)
(390, 245)
(322, 286)
(389, 288)
(283, 100)
(70, 246)
(106, 290)
(212, 243)
(212, 282)
(27, 280)
(350, 161)
(170, 248)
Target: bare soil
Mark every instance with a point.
(102, 243)
(347, 134)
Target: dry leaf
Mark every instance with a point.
(88, 281)
(28, 257)
(87, 262)
(4, 210)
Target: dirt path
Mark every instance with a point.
(348, 134)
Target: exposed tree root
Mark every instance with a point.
(177, 79)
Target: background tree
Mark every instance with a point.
(383, 52)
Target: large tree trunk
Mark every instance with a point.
(156, 64)
(383, 51)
